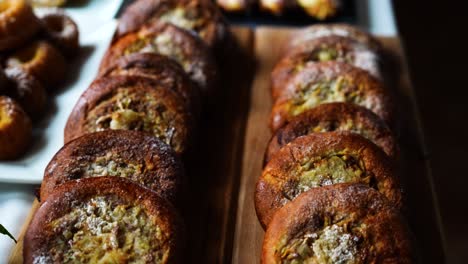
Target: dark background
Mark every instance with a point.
(434, 34)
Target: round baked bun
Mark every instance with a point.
(199, 16)
(132, 103)
(104, 220)
(133, 155)
(343, 223)
(322, 159)
(173, 42)
(328, 82)
(324, 49)
(331, 117)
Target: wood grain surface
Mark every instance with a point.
(220, 216)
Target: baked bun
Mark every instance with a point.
(199, 16)
(173, 42)
(132, 103)
(47, 3)
(331, 48)
(62, 32)
(321, 159)
(235, 5)
(42, 60)
(343, 223)
(320, 9)
(335, 117)
(27, 91)
(325, 30)
(162, 69)
(104, 220)
(17, 23)
(277, 7)
(15, 129)
(326, 82)
(128, 154)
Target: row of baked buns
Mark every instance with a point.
(329, 191)
(113, 193)
(33, 58)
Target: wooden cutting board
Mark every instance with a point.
(220, 214)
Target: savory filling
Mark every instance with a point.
(189, 18)
(332, 169)
(334, 244)
(336, 90)
(162, 44)
(341, 125)
(105, 229)
(134, 109)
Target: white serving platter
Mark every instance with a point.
(96, 24)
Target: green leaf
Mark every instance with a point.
(5, 232)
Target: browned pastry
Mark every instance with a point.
(200, 16)
(344, 223)
(321, 159)
(277, 7)
(47, 3)
(17, 23)
(173, 42)
(27, 91)
(15, 129)
(162, 69)
(104, 220)
(330, 48)
(132, 103)
(320, 9)
(235, 5)
(335, 117)
(325, 30)
(326, 82)
(62, 32)
(128, 154)
(41, 60)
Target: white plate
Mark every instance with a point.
(97, 26)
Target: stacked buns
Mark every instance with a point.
(33, 59)
(113, 193)
(329, 191)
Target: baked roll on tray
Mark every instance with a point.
(343, 223)
(316, 31)
(15, 129)
(173, 42)
(330, 48)
(133, 155)
(325, 82)
(322, 159)
(199, 16)
(62, 31)
(132, 103)
(104, 220)
(335, 117)
(162, 69)
(18, 24)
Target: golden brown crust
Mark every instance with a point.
(128, 154)
(27, 91)
(235, 5)
(62, 32)
(15, 129)
(322, 9)
(200, 16)
(48, 3)
(310, 33)
(40, 238)
(162, 69)
(359, 225)
(132, 103)
(173, 42)
(335, 117)
(328, 48)
(42, 60)
(322, 159)
(332, 81)
(277, 7)
(17, 23)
